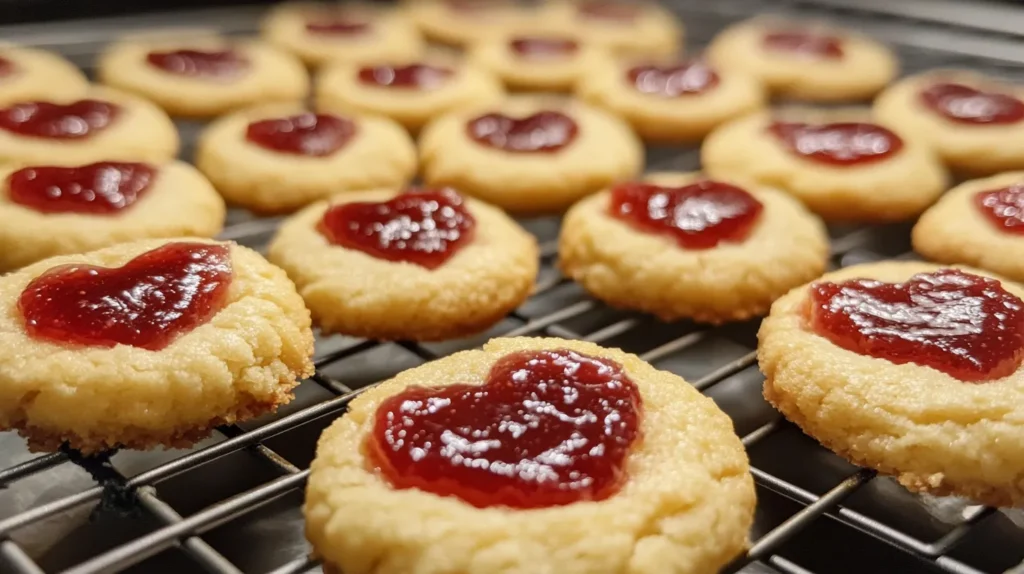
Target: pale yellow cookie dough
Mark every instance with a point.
(38, 75)
(655, 31)
(934, 433)
(966, 148)
(242, 363)
(140, 132)
(266, 181)
(605, 151)
(686, 507)
(633, 269)
(895, 188)
(865, 67)
(354, 293)
(441, 22)
(556, 73)
(272, 76)
(666, 119)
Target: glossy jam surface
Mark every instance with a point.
(541, 132)
(543, 47)
(412, 76)
(688, 78)
(612, 11)
(149, 302)
(338, 26)
(699, 215)
(839, 144)
(214, 64)
(967, 105)
(804, 43)
(1004, 208)
(964, 325)
(547, 428)
(76, 120)
(103, 188)
(424, 227)
(309, 134)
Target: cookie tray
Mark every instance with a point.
(232, 503)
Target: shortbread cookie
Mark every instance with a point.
(411, 92)
(678, 245)
(464, 22)
(530, 153)
(621, 26)
(975, 123)
(839, 163)
(671, 100)
(205, 76)
(423, 265)
(275, 159)
(149, 343)
(537, 60)
(806, 61)
(908, 368)
(680, 499)
(28, 74)
(100, 124)
(324, 33)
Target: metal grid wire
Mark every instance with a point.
(807, 496)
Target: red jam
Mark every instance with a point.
(540, 132)
(699, 215)
(148, 303)
(413, 76)
(840, 144)
(804, 43)
(543, 48)
(689, 78)
(612, 11)
(217, 64)
(76, 120)
(547, 428)
(310, 134)
(967, 105)
(338, 26)
(7, 67)
(1004, 208)
(103, 188)
(964, 325)
(423, 227)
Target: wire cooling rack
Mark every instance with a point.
(232, 503)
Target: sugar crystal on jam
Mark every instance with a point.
(1004, 207)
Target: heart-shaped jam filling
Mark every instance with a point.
(212, 64)
(412, 76)
(103, 188)
(804, 44)
(148, 303)
(620, 12)
(543, 47)
(541, 132)
(1004, 207)
(76, 120)
(310, 134)
(698, 215)
(840, 144)
(964, 325)
(967, 105)
(685, 79)
(423, 227)
(338, 26)
(546, 428)
(7, 68)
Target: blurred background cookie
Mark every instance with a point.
(537, 60)
(28, 74)
(622, 27)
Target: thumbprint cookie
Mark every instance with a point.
(680, 245)
(537, 60)
(424, 265)
(464, 22)
(908, 368)
(623, 27)
(530, 455)
(276, 159)
(841, 163)
(149, 343)
(28, 74)
(529, 153)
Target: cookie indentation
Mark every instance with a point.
(804, 44)
(316, 135)
(413, 76)
(103, 188)
(688, 78)
(546, 131)
(212, 64)
(967, 105)
(839, 144)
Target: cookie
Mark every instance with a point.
(620, 26)
(28, 74)
(411, 92)
(975, 123)
(680, 500)
(537, 60)
(839, 163)
(203, 77)
(670, 100)
(805, 61)
(678, 245)
(276, 159)
(529, 153)
(907, 368)
(464, 22)
(100, 204)
(325, 33)
(425, 265)
(92, 357)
